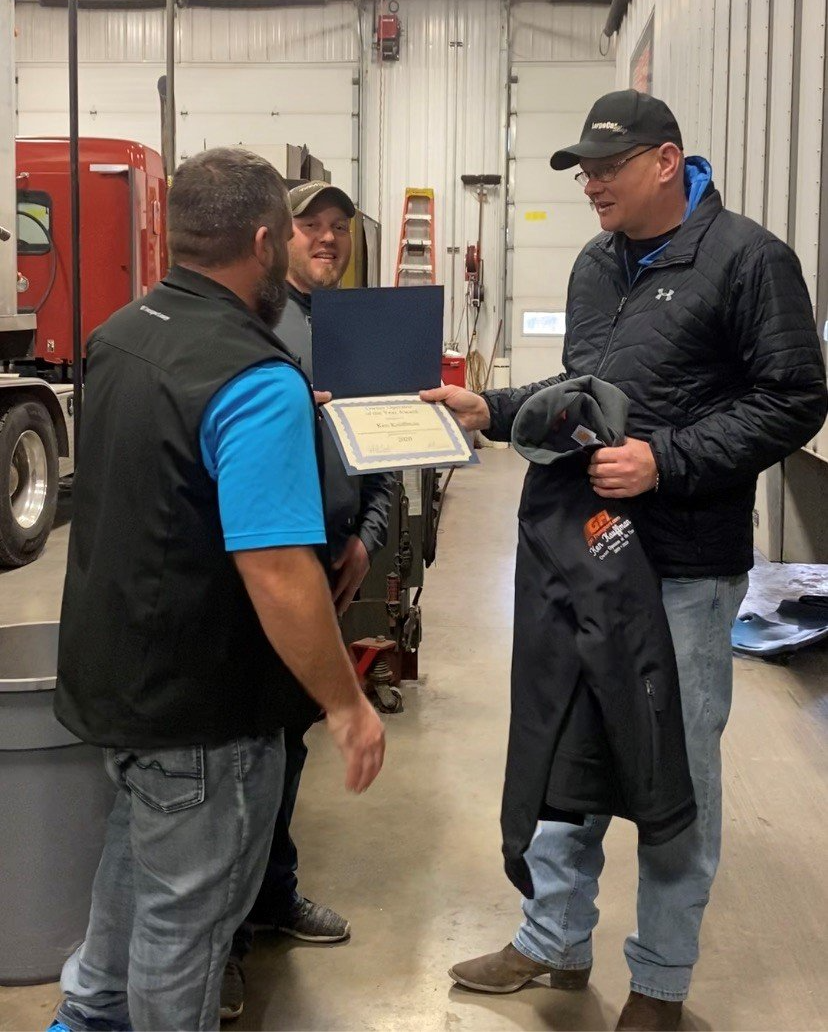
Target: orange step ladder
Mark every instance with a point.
(415, 255)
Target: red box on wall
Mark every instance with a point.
(454, 371)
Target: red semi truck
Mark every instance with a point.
(123, 254)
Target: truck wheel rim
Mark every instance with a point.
(29, 479)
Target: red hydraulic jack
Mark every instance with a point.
(382, 663)
(378, 666)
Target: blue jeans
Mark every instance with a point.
(186, 846)
(675, 878)
(279, 890)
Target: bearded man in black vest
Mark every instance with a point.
(197, 618)
(356, 524)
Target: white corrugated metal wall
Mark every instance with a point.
(255, 77)
(541, 31)
(298, 34)
(726, 67)
(729, 70)
(435, 115)
(746, 80)
(438, 113)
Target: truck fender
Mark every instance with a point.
(37, 390)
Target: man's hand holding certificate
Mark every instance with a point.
(398, 431)
(469, 409)
(377, 416)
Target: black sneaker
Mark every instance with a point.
(232, 990)
(313, 922)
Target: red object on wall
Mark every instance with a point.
(454, 371)
(122, 238)
(388, 37)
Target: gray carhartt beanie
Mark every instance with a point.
(595, 416)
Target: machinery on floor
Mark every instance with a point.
(384, 626)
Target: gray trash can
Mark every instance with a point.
(54, 801)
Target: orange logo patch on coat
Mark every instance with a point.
(607, 535)
(598, 526)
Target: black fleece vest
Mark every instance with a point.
(159, 643)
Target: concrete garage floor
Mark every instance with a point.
(415, 863)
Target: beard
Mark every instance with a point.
(317, 275)
(271, 298)
(327, 278)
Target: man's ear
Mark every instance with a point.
(670, 160)
(263, 246)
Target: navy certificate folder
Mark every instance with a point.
(383, 340)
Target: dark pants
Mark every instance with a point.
(278, 892)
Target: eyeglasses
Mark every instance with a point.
(606, 173)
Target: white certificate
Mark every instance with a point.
(394, 432)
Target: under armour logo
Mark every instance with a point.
(664, 295)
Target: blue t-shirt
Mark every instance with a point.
(257, 443)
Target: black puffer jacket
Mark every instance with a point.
(716, 348)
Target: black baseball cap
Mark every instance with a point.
(617, 122)
(303, 196)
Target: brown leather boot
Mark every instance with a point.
(646, 1014)
(509, 970)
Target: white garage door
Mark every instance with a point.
(550, 218)
(262, 107)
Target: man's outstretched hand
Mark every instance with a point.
(471, 410)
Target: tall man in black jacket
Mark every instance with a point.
(702, 318)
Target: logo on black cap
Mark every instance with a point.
(617, 122)
(612, 126)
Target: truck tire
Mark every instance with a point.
(28, 480)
